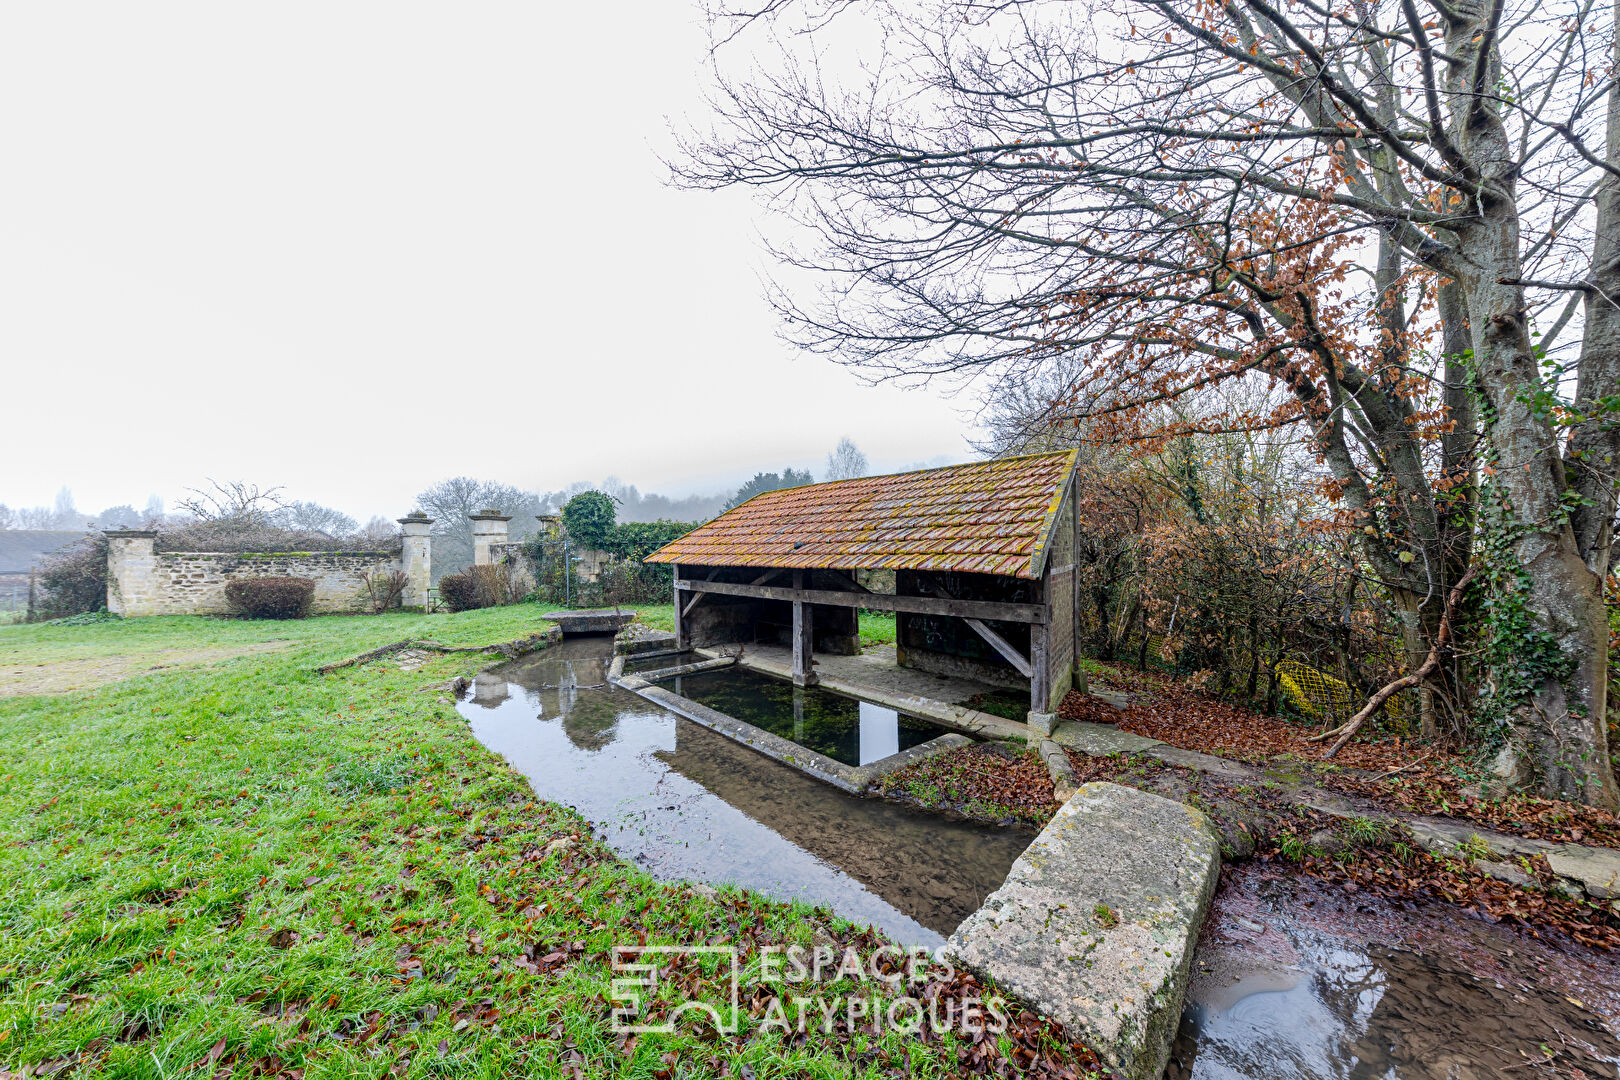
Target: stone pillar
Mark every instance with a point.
(131, 562)
(488, 527)
(416, 558)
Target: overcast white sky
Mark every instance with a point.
(356, 247)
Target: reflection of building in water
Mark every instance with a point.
(570, 690)
(934, 871)
(590, 720)
(489, 690)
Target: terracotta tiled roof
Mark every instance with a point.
(988, 517)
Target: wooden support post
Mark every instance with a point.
(1040, 679)
(803, 638)
(683, 639)
(995, 640)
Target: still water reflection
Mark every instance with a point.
(683, 802)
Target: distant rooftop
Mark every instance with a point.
(985, 517)
(23, 548)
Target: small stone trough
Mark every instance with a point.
(600, 621)
(1096, 923)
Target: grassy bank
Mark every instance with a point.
(217, 862)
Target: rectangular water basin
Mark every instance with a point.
(848, 731)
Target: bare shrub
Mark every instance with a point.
(493, 584)
(384, 590)
(73, 580)
(238, 535)
(271, 597)
(478, 587)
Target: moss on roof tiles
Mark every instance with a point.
(989, 516)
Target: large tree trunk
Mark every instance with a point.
(1563, 715)
(1416, 637)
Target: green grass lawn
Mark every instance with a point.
(230, 865)
(877, 628)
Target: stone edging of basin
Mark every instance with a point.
(660, 674)
(509, 650)
(854, 779)
(956, 717)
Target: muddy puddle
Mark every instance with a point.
(685, 803)
(1296, 979)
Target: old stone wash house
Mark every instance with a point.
(976, 560)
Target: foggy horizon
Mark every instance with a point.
(404, 264)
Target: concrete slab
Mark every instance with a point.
(600, 621)
(1096, 923)
(637, 640)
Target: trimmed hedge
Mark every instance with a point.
(271, 597)
(459, 592)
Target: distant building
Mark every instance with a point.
(20, 551)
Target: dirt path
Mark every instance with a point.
(70, 673)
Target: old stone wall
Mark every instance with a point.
(193, 583)
(144, 581)
(588, 563)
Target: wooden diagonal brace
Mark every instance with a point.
(997, 642)
(1004, 647)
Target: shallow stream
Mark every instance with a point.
(1292, 978)
(684, 802)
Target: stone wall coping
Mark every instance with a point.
(270, 554)
(415, 519)
(484, 516)
(130, 534)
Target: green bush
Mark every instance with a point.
(271, 597)
(589, 518)
(634, 583)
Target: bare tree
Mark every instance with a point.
(313, 517)
(379, 532)
(121, 516)
(450, 501)
(1404, 211)
(846, 461)
(248, 505)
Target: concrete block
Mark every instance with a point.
(1096, 923)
